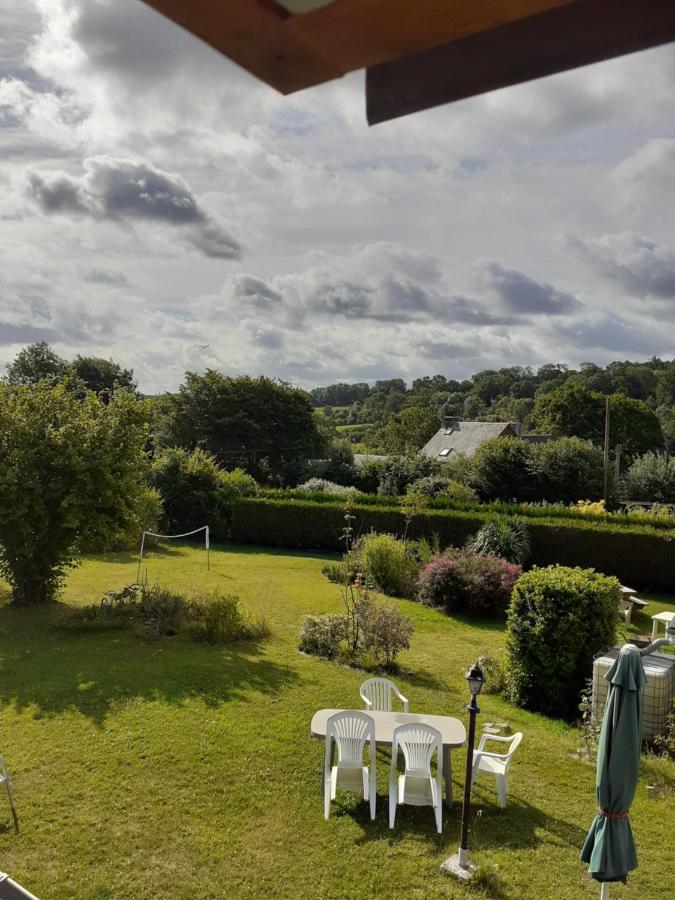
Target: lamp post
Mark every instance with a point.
(459, 864)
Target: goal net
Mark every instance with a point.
(173, 537)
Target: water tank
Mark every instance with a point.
(658, 692)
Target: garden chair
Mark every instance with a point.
(376, 694)
(496, 764)
(349, 729)
(4, 779)
(416, 786)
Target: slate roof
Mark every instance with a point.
(465, 437)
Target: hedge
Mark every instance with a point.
(639, 556)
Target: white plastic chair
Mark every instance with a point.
(4, 779)
(349, 729)
(496, 764)
(376, 693)
(416, 786)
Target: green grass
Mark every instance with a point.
(175, 770)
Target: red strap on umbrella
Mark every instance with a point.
(609, 815)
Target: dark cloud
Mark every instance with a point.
(252, 290)
(25, 334)
(521, 294)
(122, 190)
(639, 265)
(610, 332)
(343, 298)
(447, 350)
(111, 279)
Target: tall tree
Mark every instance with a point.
(35, 363)
(71, 471)
(102, 376)
(264, 425)
(409, 430)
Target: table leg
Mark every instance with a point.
(447, 776)
(655, 629)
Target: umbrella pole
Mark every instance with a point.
(604, 891)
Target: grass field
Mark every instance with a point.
(174, 770)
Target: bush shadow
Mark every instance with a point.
(50, 670)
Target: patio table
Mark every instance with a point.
(453, 734)
(665, 617)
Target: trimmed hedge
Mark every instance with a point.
(640, 556)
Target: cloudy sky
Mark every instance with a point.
(161, 206)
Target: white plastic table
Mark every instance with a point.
(453, 734)
(665, 617)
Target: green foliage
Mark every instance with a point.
(441, 485)
(397, 472)
(506, 537)
(575, 411)
(386, 631)
(558, 619)
(650, 477)
(501, 470)
(234, 485)
(35, 363)
(409, 430)
(566, 470)
(156, 612)
(265, 426)
(71, 474)
(388, 562)
(341, 463)
(638, 554)
(463, 581)
(102, 376)
(322, 635)
(324, 486)
(192, 491)
(146, 516)
(665, 743)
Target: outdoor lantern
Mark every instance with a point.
(475, 678)
(459, 864)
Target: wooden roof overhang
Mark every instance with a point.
(420, 53)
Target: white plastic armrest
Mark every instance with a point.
(404, 701)
(369, 703)
(480, 753)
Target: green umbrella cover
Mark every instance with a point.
(609, 847)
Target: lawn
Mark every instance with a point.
(175, 770)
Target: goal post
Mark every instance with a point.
(204, 528)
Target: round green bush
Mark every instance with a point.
(559, 618)
(388, 562)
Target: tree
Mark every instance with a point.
(501, 470)
(35, 363)
(633, 425)
(409, 430)
(266, 426)
(102, 376)
(570, 410)
(567, 470)
(71, 471)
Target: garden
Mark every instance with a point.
(170, 768)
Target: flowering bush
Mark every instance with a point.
(464, 581)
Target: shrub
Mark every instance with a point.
(558, 619)
(501, 470)
(341, 463)
(441, 485)
(219, 619)
(590, 508)
(566, 469)
(233, 485)
(388, 562)
(189, 484)
(505, 537)
(650, 477)
(386, 632)
(397, 472)
(147, 515)
(322, 635)
(323, 486)
(494, 671)
(463, 581)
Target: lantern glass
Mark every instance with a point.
(476, 679)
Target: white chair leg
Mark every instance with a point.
(501, 790)
(393, 800)
(327, 790)
(365, 777)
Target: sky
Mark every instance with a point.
(160, 206)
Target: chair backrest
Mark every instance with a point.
(517, 738)
(418, 743)
(350, 729)
(378, 691)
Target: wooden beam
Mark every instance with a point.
(253, 34)
(577, 34)
(352, 34)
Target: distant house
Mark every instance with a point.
(466, 437)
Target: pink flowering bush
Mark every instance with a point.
(464, 581)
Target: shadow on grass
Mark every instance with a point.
(49, 670)
(519, 826)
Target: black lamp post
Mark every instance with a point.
(459, 863)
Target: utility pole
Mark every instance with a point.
(617, 464)
(606, 455)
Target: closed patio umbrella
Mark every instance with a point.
(609, 848)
